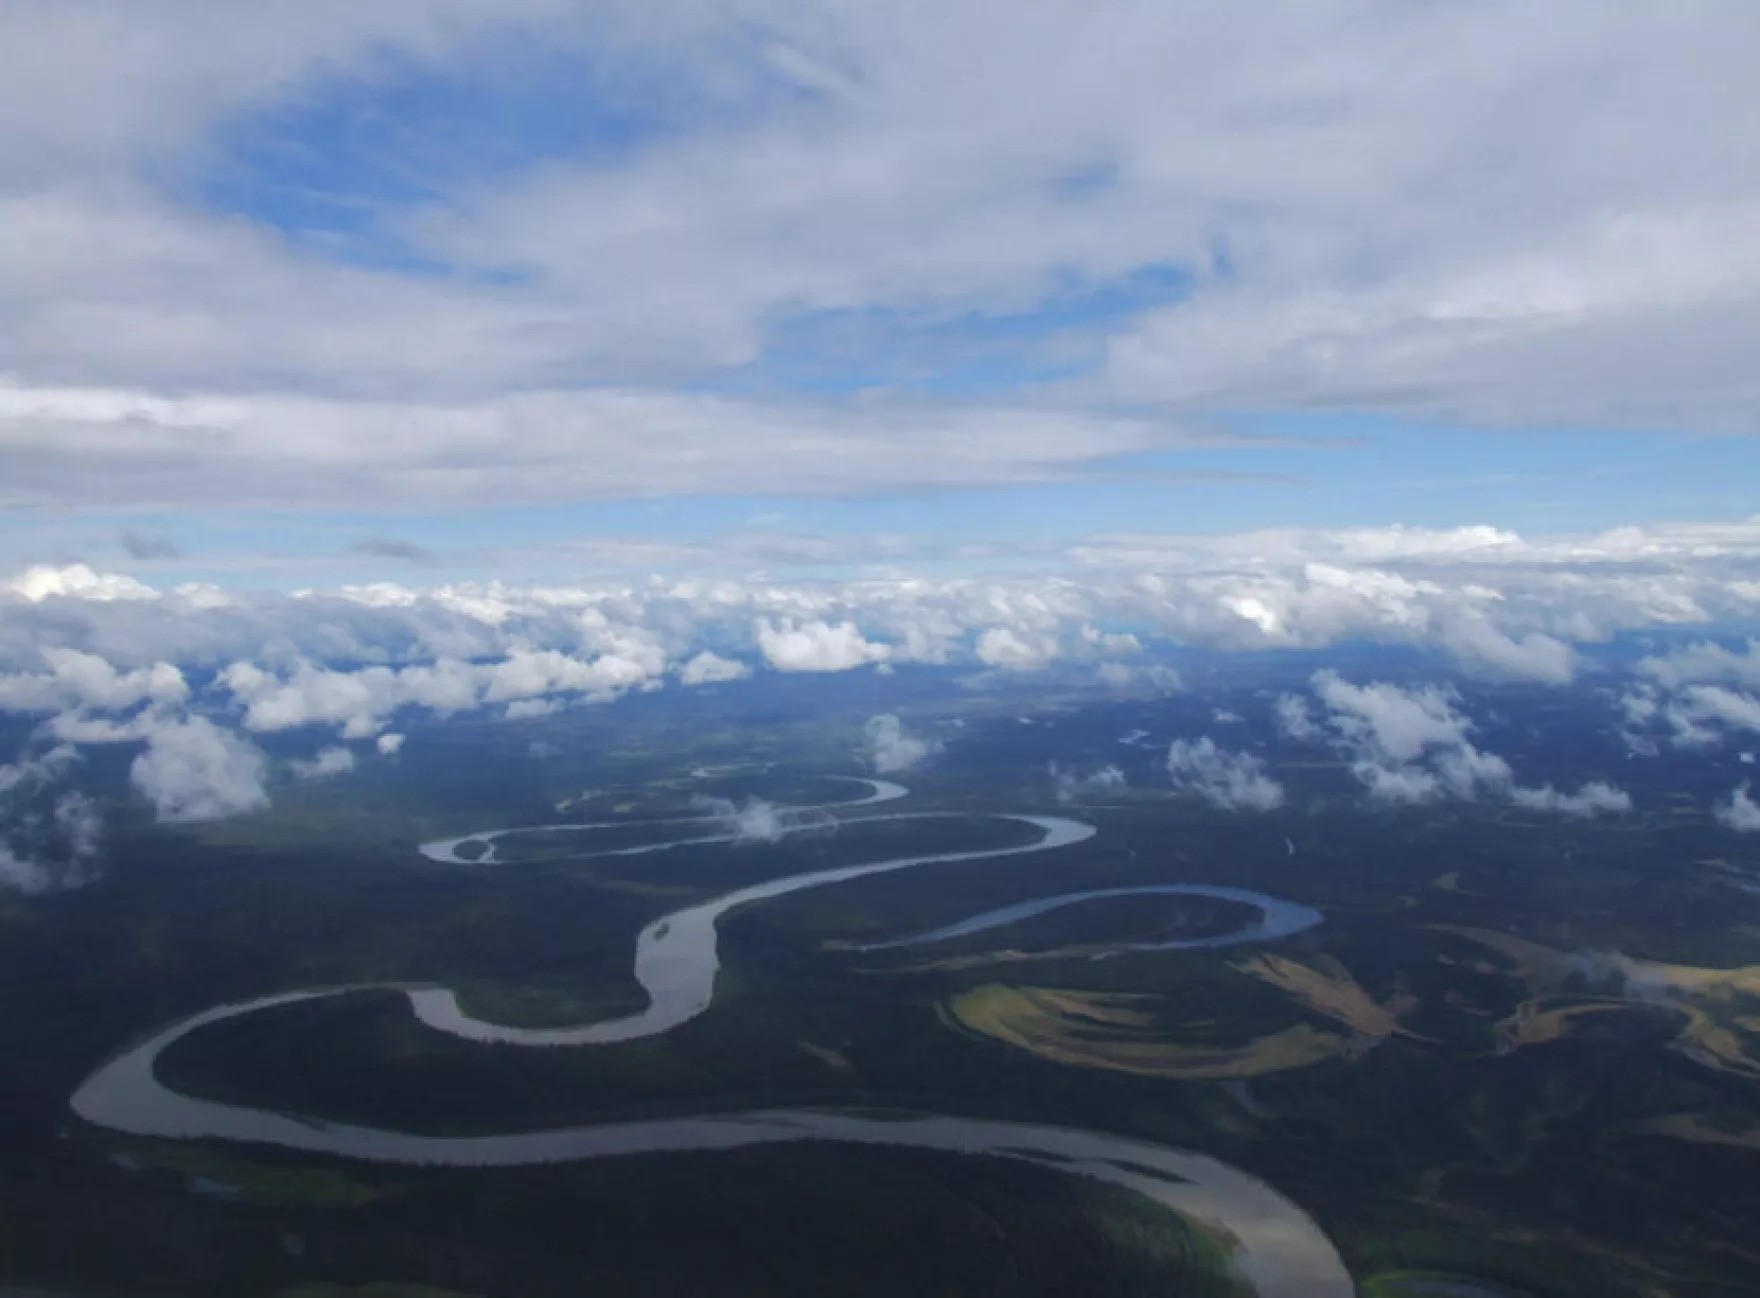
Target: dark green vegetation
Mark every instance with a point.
(788, 1221)
(1429, 1284)
(1478, 1148)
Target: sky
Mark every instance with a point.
(625, 330)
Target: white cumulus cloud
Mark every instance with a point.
(193, 770)
(1233, 781)
(82, 681)
(1069, 786)
(816, 646)
(75, 581)
(1002, 647)
(751, 821)
(711, 668)
(1293, 718)
(1596, 798)
(1412, 745)
(891, 748)
(328, 762)
(1740, 813)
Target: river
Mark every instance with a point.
(1276, 1246)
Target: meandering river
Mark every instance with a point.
(446, 850)
(1276, 1246)
(1277, 918)
(678, 955)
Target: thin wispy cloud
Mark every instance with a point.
(1165, 212)
(386, 547)
(149, 545)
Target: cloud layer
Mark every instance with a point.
(819, 251)
(1208, 212)
(105, 658)
(1496, 603)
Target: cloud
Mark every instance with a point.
(149, 545)
(1411, 746)
(603, 443)
(1699, 704)
(1477, 644)
(1390, 724)
(816, 646)
(1705, 663)
(159, 393)
(386, 547)
(193, 770)
(389, 745)
(1741, 813)
(751, 821)
(75, 581)
(829, 179)
(360, 703)
(87, 649)
(1071, 787)
(1400, 785)
(1152, 678)
(1692, 697)
(22, 875)
(1001, 647)
(51, 836)
(30, 773)
(1595, 798)
(79, 823)
(891, 749)
(332, 761)
(1511, 608)
(630, 664)
(83, 681)
(710, 668)
(1111, 642)
(1293, 718)
(1232, 781)
(1250, 591)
